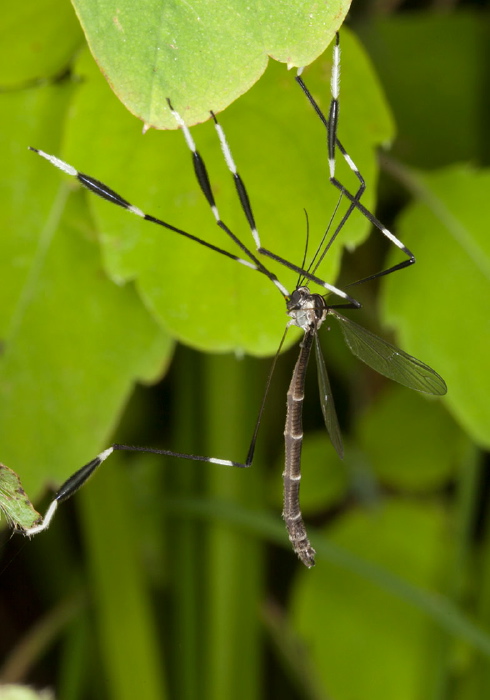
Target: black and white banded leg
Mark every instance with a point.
(80, 477)
(105, 192)
(204, 183)
(333, 144)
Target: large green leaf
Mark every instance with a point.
(440, 307)
(202, 55)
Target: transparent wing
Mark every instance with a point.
(326, 401)
(389, 360)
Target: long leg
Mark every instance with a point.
(105, 192)
(78, 479)
(333, 143)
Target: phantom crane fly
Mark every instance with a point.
(306, 310)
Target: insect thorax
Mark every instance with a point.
(306, 309)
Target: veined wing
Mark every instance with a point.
(389, 360)
(326, 401)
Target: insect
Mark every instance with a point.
(306, 310)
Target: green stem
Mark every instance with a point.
(184, 534)
(467, 495)
(235, 572)
(125, 622)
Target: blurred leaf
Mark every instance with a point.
(439, 307)
(37, 40)
(14, 502)
(325, 479)
(203, 56)
(411, 442)
(347, 622)
(415, 52)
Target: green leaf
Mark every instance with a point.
(26, 196)
(202, 55)
(37, 40)
(440, 307)
(14, 502)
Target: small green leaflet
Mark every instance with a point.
(14, 503)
